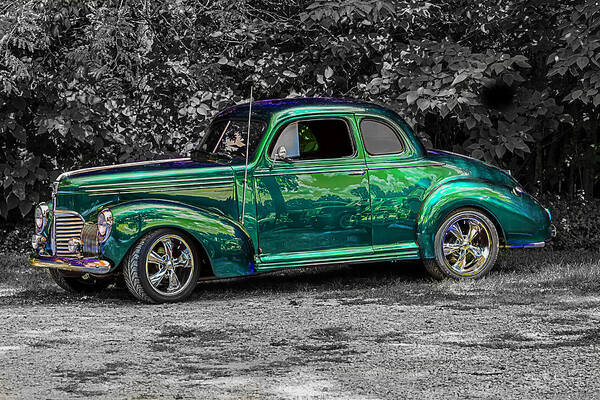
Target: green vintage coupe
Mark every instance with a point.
(322, 181)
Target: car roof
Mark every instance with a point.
(264, 109)
(275, 110)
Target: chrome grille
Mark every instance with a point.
(89, 237)
(67, 225)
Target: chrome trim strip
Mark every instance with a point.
(359, 173)
(53, 228)
(126, 189)
(163, 190)
(73, 213)
(313, 171)
(90, 265)
(518, 246)
(153, 182)
(433, 164)
(407, 254)
(132, 164)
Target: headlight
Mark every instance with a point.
(105, 221)
(41, 217)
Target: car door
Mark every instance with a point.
(398, 182)
(312, 192)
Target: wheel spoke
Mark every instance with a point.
(476, 251)
(174, 283)
(156, 278)
(474, 229)
(456, 231)
(155, 258)
(459, 265)
(479, 255)
(168, 245)
(183, 261)
(450, 248)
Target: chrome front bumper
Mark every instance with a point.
(89, 265)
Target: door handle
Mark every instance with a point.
(361, 172)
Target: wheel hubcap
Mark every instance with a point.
(169, 265)
(466, 245)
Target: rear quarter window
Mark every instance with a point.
(380, 138)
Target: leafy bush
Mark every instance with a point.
(577, 222)
(16, 238)
(92, 82)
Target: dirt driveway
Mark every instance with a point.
(347, 332)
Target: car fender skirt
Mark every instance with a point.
(226, 243)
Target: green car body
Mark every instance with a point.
(351, 209)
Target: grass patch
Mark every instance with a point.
(520, 277)
(18, 274)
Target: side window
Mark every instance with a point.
(315, 139)
(379, 138)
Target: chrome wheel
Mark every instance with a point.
(466, 245)
(169, 265)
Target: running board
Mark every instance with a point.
(411, 252)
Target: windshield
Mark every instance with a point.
(227, 138)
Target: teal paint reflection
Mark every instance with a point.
(312, 211)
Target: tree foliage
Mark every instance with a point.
(89, 82)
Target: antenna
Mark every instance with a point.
(246, 164)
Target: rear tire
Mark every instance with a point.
(162, 267)
(78, 285)
(466, 246)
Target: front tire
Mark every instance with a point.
(466, 246)
(162, 267)
(78, 285)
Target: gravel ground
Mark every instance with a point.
(342, 332)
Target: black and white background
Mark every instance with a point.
(512, 82)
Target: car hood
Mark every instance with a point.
(473, 167)
(133, 173)
(204, 184)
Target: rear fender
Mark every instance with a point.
(504, 207)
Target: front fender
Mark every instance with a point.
(228, 246)
(521, 219)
